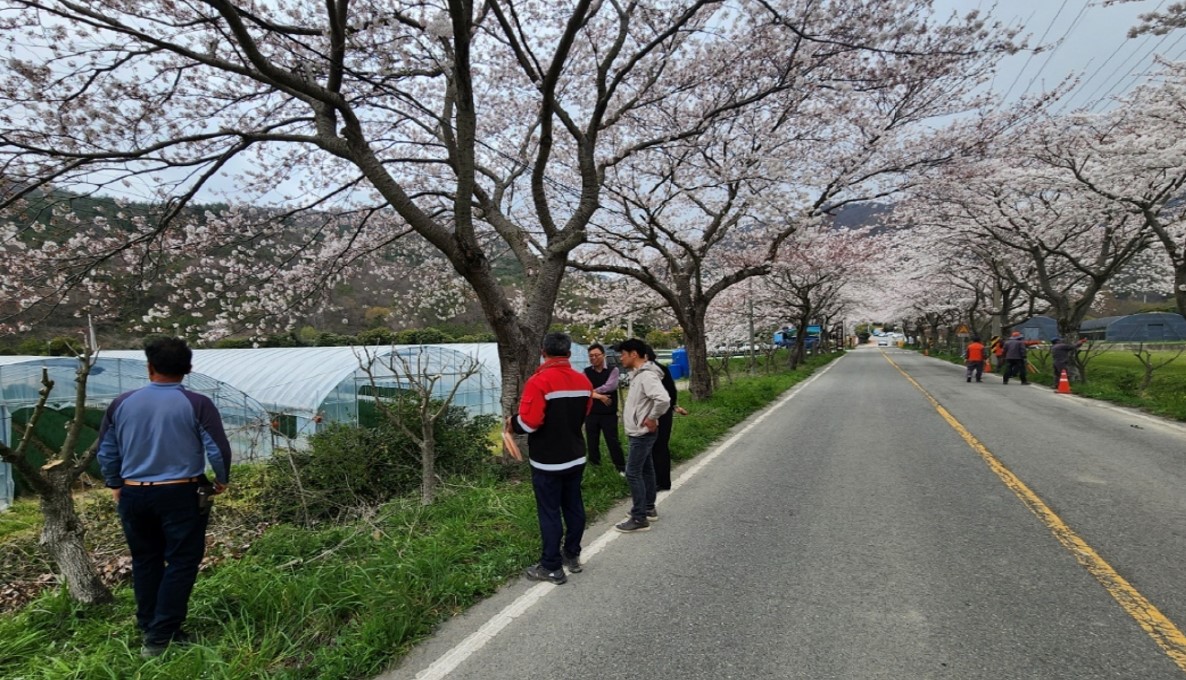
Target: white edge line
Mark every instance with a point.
(453, 658)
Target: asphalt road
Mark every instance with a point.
(853, 533)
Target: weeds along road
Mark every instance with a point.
(856, 532)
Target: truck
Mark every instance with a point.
(785, 337)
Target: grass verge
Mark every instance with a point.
(1114, 375)
(345, 601)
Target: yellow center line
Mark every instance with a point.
(1163, 631)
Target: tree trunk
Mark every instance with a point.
(1180, 288)
(63, 537)
(428, 459)
(1068, 323)
(700, 378)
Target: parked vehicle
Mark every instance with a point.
(785, 337)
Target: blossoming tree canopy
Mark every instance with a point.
(483, 129)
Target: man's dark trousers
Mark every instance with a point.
(597, 424)
(661, 453)
(640, 475)
(558, 494)
(166, 533)
(1015, 367)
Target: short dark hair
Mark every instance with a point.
(169, 356)
(633, 345)
(557, 345)
(597, 345)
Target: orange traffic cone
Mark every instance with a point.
(1064, 385)
(988, 366)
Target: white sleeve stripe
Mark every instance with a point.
(566, 394)
(524, 425)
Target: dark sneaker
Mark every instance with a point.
(151, 650)
(571, 562)
(182, 639)
(536, 572)
(632, 525)
(652, 516)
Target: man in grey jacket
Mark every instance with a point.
(646, 401)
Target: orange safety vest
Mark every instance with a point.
(998, 347)
(976, 352)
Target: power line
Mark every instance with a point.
(1103, 100)
(1111, 56)
(1029, 58)
(1061, 41)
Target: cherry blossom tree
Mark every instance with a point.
(1158, 22)
(1133, 156)
(63, 534)
(355, 125)
(1074, 240)
(811, 282)
(691, 220)
(947, 277)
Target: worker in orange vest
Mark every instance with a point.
(974, 357)
(998, 350)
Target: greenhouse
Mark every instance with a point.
(274, 396)
(304, 388)
(1145, 327)
(245, 419)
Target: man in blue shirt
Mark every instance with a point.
(153, 447)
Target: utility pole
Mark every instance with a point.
(753, 359)
(997, 312)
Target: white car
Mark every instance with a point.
(883, 341)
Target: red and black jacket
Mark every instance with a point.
(552, 413)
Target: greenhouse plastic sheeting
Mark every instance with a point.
(304, 387)
(246, 421)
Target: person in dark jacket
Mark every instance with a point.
(661, 454)
(555, 402)
(1015, 353)
(603, 417)
(154, 444)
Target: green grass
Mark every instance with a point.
(1114, 375)
(345, 601)
(21, 518)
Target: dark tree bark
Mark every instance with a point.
(63, 535)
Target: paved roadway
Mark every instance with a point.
(853, 533)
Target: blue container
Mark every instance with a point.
(679, 357)
(679, 364)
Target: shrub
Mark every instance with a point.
(376, 336)
(348, 467)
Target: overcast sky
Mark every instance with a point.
(1094, 41)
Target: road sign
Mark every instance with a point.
(962, 331)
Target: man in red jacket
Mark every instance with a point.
(552, 413)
